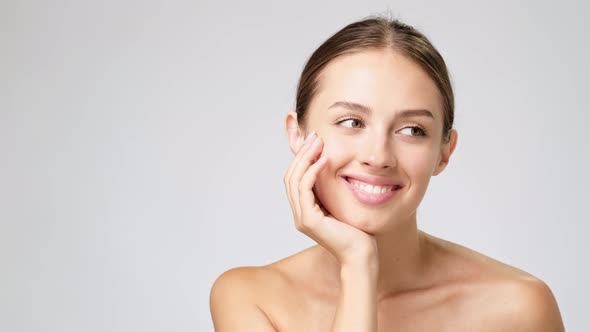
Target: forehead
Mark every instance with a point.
(384, 80)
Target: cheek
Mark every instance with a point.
(339, 153)
(419, 164)
(336, 150)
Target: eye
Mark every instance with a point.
(416, 131)
(353, 123)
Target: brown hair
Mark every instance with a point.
(376, 32)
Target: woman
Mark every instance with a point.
(373, 122)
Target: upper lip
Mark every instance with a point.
(374, 180)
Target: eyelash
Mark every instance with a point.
(423, 131)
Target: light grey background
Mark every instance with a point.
(142, 148)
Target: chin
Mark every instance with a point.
(368, 221)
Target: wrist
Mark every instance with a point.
(366, 260)
(357, 271)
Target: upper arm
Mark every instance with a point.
(233, 305)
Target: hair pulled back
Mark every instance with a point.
(375, 32)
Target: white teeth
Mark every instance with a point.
(377, 189)
(372, 189)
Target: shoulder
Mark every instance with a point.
(257, 298)
(238, 281)
(501, 294)
(523, 304)
(236, 297)
(259, 282)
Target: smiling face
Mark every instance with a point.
(381, 120)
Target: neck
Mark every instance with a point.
(402, 258)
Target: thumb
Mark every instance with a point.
(320, 205)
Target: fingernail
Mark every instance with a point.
(309, 137)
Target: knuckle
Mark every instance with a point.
(306, 224)
(303, 229)
(299, 227)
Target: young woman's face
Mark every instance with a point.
(393, 138)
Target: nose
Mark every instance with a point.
(377, 152)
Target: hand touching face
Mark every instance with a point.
(380, 119)
(346, 243)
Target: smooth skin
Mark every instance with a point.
(372, 268)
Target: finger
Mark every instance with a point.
(305, 157)
(319, 203)
(297, 157)
(307, 197)
(311, 213)
(300, 165)
(289, 172)
(302, 149)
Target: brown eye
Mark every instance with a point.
(416, 131)
(353, 123)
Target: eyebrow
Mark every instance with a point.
(366, 109)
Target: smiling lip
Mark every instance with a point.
(372, 198)
(374, 180)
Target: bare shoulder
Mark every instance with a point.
(527, 304)
(236, 296)
(503, 296)
(246, 298)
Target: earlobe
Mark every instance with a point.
(294, 134)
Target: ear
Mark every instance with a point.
(294, 134)
(446, 152)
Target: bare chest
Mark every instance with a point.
(413, 313)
